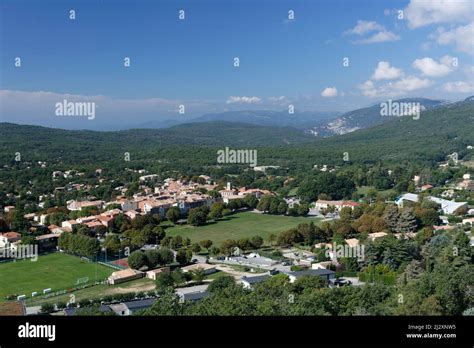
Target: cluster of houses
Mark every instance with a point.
(196, 292)
(157, 200)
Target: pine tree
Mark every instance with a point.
(391, 217)
(406, 221)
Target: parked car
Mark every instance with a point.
(342, 282)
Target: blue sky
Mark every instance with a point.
(190, 62)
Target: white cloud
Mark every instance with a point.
(430, 67)
(368, 89)
(362, 27)
(382, 36)
(379, 33)
(410, 83)
(276, 99)
(329, 92)
(243, 100)
(458, 87)
(461, 36)
(423, 12)
(386, 72)
(394, 89)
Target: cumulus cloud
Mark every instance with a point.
(461, 37)
(362, 27)
(430, 67)
(243, 100)
(458, 87)
(379, 33)
(422, 12)
(386, 72)
(410, 83)
(395, 88)
(382, 36)
(329, 92)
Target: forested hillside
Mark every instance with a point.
(437, 133)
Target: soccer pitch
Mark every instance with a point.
(57, 271)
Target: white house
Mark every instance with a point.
(448, 207)
(407, 197)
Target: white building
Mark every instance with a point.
(448, 207)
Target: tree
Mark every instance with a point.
(197, 217)
(56, 218)
(221, 283)
(303, 209)
(28, 240)
(47, 308)
(214, 251)
(251, 201)
(206, 243)
(308, 282)
(18, 221)
(164, 280)
(282, 208)
(216, 211)
(391, 217)
(182, 257)
(256, 242)
(227, 246)
(272, 238)
(195, 248)
(158, 233)
(337, 186)
(153, 258)
(407, 221)
(173, 214)
(136, 260)
(179, 278)
(176, 242)
(428, 217)
(112, 243)
(166, 256)
(198, 275)
(290, 237)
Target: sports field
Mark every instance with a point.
(240, 225)
(57, 271)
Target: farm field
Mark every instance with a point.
(57, 271)
(240, 225)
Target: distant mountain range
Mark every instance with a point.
(440, 130)
(366, 117)
(320, 124)
(267, 118)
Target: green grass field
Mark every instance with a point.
(241, 225)
(97, 291)
(57, 271)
